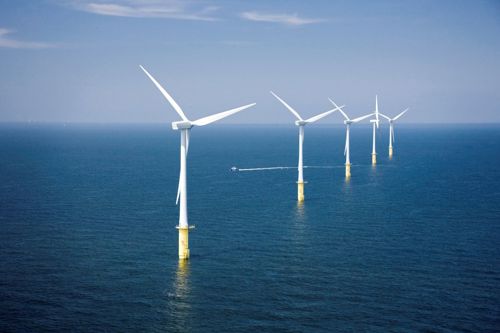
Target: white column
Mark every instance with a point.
(390, 134)
(347, 145)
(301, 142)
(373, 149)
(183, 217)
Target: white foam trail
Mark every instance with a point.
(287, 167)
(268, 168)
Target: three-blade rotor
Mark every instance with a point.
(186, 123)
(300, 120)
(396, 117)
(347, 119)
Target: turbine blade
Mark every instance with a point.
(383, 115)
(345, 147)
(165, 94)
(295, 113)
(340, 110)
(355, 120)
(178, 190)
(321, 115)
(402, 113)
(376, 109)
(218, 116)
(188, 132)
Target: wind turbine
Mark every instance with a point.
(348, 123)
(391, 128)
(375, 122)
(185, 126)
(301, 123)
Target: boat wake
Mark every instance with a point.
(285, 168)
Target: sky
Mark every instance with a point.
(78, 60)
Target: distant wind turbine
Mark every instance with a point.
(348, 123)
(375, 122)
(301, 123)
(185, 126)
(391, 129)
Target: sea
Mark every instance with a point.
(88, 240)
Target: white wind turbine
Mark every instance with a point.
(391, 128)
(375, 122)
(348, 123)
(185, 126)
(301, 123)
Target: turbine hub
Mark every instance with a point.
(179, 125)
(300, 122)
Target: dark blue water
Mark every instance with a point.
(88, 240)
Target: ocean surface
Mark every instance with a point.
(88, 240)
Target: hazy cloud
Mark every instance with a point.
(7, 42)
(286, 19)
(170, 9)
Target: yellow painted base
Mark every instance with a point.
(300, 191)
(348, 171)
(374, 159)
(390, 151)
(183, 243)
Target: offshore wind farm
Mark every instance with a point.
(351, 185)
(378, 248)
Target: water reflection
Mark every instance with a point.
(179, 303)
(300, 223)
(182, 279)
(300, 212)
(347, 187)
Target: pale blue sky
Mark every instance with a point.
(78, 60)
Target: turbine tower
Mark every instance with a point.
(375, 123)
(184, 126)
(301, 123)
(391, 129)
(348, 123)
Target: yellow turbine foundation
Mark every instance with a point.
(390, 151)
(374, 159)
(300, 191)
(348, 170)
(183, 243)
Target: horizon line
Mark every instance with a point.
(59, 122)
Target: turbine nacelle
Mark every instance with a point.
(180, 125)
(300, 122)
